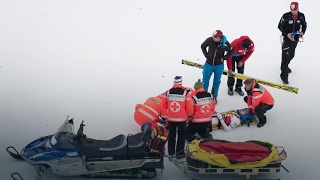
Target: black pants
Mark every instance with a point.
(260, 110)
(200, 128)
(288, 52)
(235, 61)
(173, 147)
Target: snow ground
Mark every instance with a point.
(95, 60)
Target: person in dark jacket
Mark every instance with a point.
(292, 25)
(219, 50)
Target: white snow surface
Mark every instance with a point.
(95, 60)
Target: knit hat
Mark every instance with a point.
(246, 44)
(177, 80)
(217, 34)
(198, 85)
(294, 6)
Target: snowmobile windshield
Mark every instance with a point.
(64, 132)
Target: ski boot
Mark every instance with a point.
(230, 91)
(239, 91)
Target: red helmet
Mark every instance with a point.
(227, 119)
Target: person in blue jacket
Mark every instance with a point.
(219, 50)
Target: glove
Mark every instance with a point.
(219, 116)
(214, 114)
(163, 121)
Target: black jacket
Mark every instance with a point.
(287, 24)
(216, 51)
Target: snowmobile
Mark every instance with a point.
(68, 154)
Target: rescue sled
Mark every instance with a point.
(224, 157)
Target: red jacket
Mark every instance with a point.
(202, 106)
(238, 50)
(257, 95)
(175, 100)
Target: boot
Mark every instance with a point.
(212, 92)
(259, 125)
(284, 79)
(238, 90)
(207, 135)
(230, 91)
(180, 156)
(289, 70)
(262, 121)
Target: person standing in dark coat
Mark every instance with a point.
(293, 26)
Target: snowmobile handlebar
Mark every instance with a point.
(80, 133)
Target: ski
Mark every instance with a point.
(244, 77)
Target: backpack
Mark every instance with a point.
(159, 138)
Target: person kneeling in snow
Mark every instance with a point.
(150, 112)
(202, 106)
(259, 100)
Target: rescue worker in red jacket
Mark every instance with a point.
(243, 48)
(202, 105)
(259, 100)
(150, 111)
(176, 102)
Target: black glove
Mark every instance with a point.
(163, 121)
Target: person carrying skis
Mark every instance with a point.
(202, 106)
(243, 48)
(291, 23)
(259, 100)
(219, 49)
(150, 111)
(175, 101)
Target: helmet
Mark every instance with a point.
(227, 119)
(245, 118)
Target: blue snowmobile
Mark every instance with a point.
(68, 154)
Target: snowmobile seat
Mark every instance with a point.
(90, 148)
(116, 143)
(139, 140)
